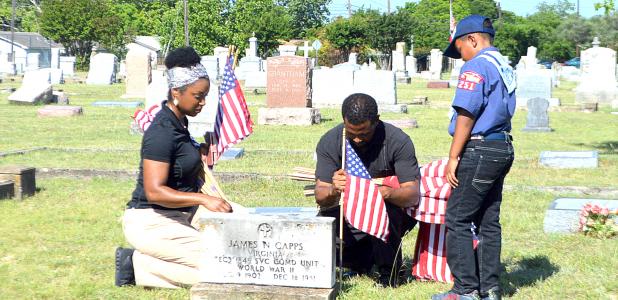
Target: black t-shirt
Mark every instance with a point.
(167, 140)
(390, 152)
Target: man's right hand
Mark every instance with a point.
(339, 178)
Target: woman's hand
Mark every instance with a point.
(217, 205)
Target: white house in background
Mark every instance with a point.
(32, 51)
(147, 43)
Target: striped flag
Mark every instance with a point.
(363, 204)
(233, 122)
(143, 117)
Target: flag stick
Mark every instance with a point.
(341, 210)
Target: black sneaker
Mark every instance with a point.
(124, 267)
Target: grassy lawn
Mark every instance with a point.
(60, 243)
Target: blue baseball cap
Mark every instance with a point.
(470, 24)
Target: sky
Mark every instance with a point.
(519, 7)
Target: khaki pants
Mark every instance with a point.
(167, 247)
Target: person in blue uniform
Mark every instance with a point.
(480, 157)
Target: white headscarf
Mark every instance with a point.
(180, 76)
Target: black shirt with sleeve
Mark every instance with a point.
(390, 152)
(168, 140)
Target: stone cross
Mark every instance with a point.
(306, 49)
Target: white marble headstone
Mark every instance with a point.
(273, 249)
(102, 69)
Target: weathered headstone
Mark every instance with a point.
(287, 50)
(59, 111)
(570, 159)
(532, 84)
(454, 78)
(331, 86)
(256, 81)
(289, 82)
(211, 63)
(158, 88)
(530, 58)
(598, 75)
(380, 85)
(102, 69)
(399, 63)
(411, 67)
(435, 64)
(138, 73)
(32, 94)
(232, 153)
(403, 124)
(538, 119)
(562, 216)
(67, 64)
(23, 179)
(438, 85)
(268, 250)
(295, 116)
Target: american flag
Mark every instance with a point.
(362, 202)
(233, 122)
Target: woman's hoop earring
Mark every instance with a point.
(175, 102)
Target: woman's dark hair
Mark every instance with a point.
(358, 108)
(182, 57)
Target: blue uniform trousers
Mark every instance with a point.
(481, 172)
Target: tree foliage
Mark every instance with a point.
(305, 15)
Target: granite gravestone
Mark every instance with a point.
(276, 250)
(538, 119)
(563, 213)
(288, 82)
(532, 84)
(570, 159)
(288, 93)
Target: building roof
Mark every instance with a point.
(150, 42)
(29, 40)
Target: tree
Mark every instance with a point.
(386, 30)
(77, 26)
(346, 35)
(25, 16)
(306, 14)
(431, 22)
(269, 21)
(608, 7)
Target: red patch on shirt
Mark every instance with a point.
(468, 80)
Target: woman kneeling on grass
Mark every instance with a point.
(157, 221)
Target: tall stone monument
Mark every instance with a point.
(598, 75)
(399, 63)
(435, 64)
(139, 73)
(411, 60)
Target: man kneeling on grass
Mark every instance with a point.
(374, 149)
